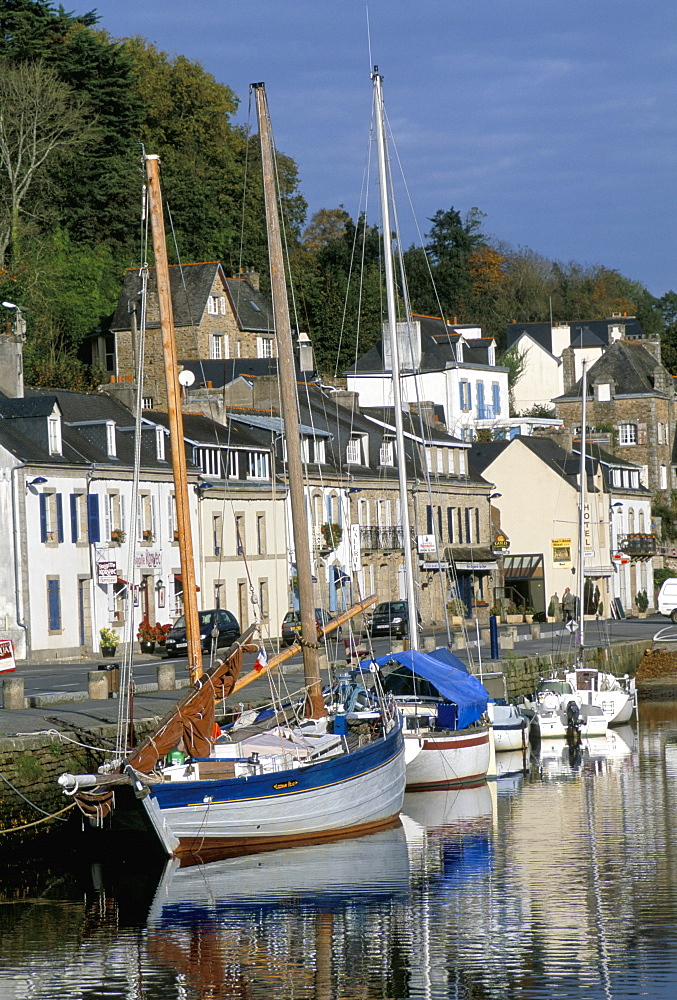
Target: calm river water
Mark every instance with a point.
(554, 883)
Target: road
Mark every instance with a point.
(63, 676)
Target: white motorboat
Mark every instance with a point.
(509, 726)
(615, 696)
(557, 712)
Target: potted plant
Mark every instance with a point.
(642, 602)
(117, 536)
(109, 641)
(332, 534)
(161, 633)
(148, 535)
(146, 636)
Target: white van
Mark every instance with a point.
(667, 599)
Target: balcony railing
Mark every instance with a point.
(485, 411)
(381, 538)
(638, 545)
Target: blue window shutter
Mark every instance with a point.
(54, 605)
(93, 523)
(469, 395)
(59, 516)
(497, 400)
(480, 400)
(43, 517)
(461, 391)
(74, 517)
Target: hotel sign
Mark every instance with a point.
(107, 572)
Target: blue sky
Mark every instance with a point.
(557, 118)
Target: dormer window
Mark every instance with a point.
(354, 450)
(160, 444)
(111, 444)
(387, 453)
(54, 434)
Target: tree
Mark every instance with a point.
(326, 225)
(40, 119)
(515, 361)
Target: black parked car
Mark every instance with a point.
(390, 618)
(291, 625)
(226, 624)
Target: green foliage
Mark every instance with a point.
(642, 600)
(660, 576)
(109, 637)
(515, 361)
(664, 506)
(28, 769)
(540, 410)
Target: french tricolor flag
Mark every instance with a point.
(261, 660)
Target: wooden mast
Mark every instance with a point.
(287, 376)
(175, 414)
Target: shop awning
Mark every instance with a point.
(476, 558)
(527, 567)
(179, 579)
(454, 684)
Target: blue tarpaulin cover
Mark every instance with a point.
(456, 685)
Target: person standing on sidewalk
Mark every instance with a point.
(568, 605)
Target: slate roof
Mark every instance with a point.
(438, 348)
(628, 363)
(597, 329)
(564, 464)
(191, 286)
(225, 371)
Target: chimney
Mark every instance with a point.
(11, 359)
(425, 409)
(350, 400)
(266, 393)
(252, 276)
(568, 368)
(306, 357)
(654, 349)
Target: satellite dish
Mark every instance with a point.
(186, 377)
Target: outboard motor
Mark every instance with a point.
(573, 721)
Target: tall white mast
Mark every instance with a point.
(581, 515)
(394, 353)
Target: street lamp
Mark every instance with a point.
(20, 322)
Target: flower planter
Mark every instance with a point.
(108, 651)
(147, 647)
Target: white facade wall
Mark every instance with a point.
(541, 379)
(441, 387)
(87, 605)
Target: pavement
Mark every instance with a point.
(75, 711)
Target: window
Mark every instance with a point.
(429, 459)
(171, 518)
(216, 346)
(634, 479)
(147, 402)
(51, 517)
(616, 477)
(93, 520)
(663, 477)
(496, 398)
(261, 534)
(54, 604)
(217, 534)
(450, 525)
(54, 434)
(145, 519)
(387, 454)
(440, 460)
(111, 444)
(114, 514)
(258, 465)
(239, 534)
(78, 510)
(627, 433)
(208, 460)
(213, 305)
(312, 450)
(354, 451)
(160, 444)
(466, 394)
(264, 347)
(263, 598)
(233, 465)
(222, 304)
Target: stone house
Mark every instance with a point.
(630, 409)
(215, 317)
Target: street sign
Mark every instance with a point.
(107, 572)
(7, 662)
